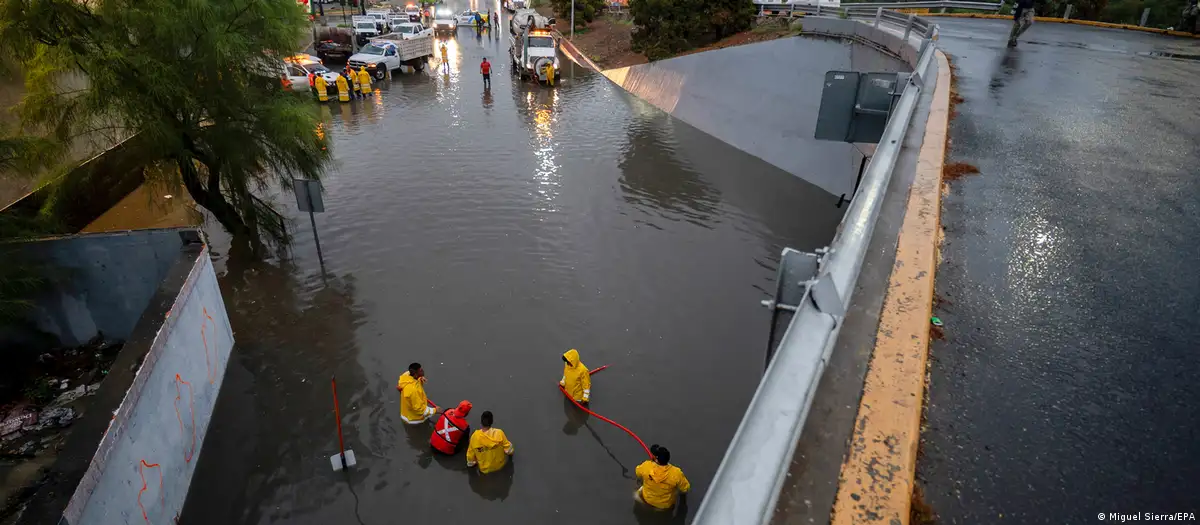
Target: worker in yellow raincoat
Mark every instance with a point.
(415, 408)
(364, 80)
(489, 447)
(576, 380)
(322, 89)
(353, 81)
(343, 89)
(661, 481)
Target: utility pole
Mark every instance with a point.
(572, 20)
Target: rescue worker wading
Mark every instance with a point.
(450, 429)
(489, 447)
(364, 80)
(414, 406)
(576, 380)
(661, 481)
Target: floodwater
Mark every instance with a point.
(482, 233)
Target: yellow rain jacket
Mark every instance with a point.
(489, 448)
(322, 89)
(364, 80)
(660, 483)
(414, 406)
(576, 380)
(343, 94)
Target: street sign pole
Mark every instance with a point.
(308, 198)
(316, 238)
(572, 20)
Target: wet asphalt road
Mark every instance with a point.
(1066, 385)
(483, 233)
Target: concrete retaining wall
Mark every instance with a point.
(130, 459)
(144, 465)
(100, 283)
(763, 98)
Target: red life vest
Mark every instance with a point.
(448, 431)
(485, 68)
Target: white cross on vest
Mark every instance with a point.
(446, 429)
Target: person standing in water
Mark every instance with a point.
(576, 379)
(661, 481)
(489, 447)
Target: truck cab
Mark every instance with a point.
(533, 47)
(365, 28)
(410, 30)
(377, 57)
(444, 20)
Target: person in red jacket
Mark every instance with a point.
(485, 68)
(451, 428)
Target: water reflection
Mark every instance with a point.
(274, 413)
(675, 192)
(541, 109)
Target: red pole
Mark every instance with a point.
(337, 413)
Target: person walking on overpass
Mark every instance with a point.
(661, 481)
(450, 428)
(1022, 19)
(414, 406)
(485, 68)
(576, 379)
(489, 447)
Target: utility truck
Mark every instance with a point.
(533, 47)
(390, 51)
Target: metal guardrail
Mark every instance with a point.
(747, 484)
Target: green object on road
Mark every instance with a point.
(936, 321)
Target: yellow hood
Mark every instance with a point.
(572, 356)
(405, 380)
(491, 438)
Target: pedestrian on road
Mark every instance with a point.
(486, 69)
(415, 407)
(1022, 19)
(450, 429)
(445, 58)
(576, 379)
(489, 447)
(661, 481)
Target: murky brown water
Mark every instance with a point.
(483, 233)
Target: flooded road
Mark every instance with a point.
(484, 233)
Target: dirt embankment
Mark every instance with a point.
(608, 40)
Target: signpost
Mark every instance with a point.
(309, 199)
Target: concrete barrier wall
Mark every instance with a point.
(99, 282)
(143, 468)
(763, 99)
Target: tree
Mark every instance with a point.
(585, 10)
(196, 80)
(666, 27)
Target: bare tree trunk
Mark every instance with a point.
(210, 197)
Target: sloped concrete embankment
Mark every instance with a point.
(763, 98)
(131, 457)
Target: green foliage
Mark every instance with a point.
(666, 27)
(585, 11)
(197, 80)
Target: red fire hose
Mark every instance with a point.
(604, 419)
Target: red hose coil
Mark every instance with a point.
(604, 419)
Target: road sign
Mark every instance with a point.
(855, 106)
(308, 195)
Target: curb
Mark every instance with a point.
(1092, 23)
(877, 477)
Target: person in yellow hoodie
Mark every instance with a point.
(576, 379)
(661, 481)
(415, 408)
(364, 80)
(489, 447)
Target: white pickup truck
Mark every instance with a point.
(389, 52)
(365, 28)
